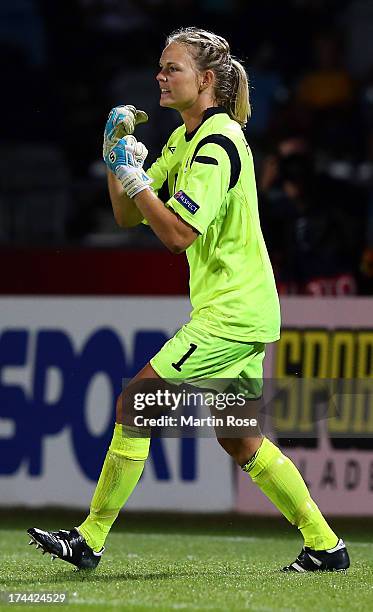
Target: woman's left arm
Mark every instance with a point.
(176, 234)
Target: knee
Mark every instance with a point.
(240, 449)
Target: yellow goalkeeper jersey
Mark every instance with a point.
(211, 185)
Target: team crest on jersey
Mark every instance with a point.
(187, 202)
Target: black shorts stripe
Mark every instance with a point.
(230, 148)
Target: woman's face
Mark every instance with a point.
(178, 79)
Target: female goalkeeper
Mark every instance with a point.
(212, 214)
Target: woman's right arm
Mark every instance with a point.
(125, 210)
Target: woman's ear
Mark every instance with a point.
(208, 80)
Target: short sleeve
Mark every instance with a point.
(204, 187)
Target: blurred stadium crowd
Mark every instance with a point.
(65, 63)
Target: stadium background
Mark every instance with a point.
(62, 359)
(84, 304)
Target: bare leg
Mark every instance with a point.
(241, 449)
(146, 373)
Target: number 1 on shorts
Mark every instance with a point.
(178, 365)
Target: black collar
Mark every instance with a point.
(209, 112)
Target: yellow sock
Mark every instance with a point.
(123, 465)
(278, 478)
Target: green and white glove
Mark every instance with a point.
(121, 121)
(125, 160)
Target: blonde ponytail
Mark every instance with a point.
(238, 105)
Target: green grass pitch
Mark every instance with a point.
(181, 562)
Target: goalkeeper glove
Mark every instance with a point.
(140, 152)
(121, 121)
(125, 160)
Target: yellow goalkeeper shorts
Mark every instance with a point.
(193, 355)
